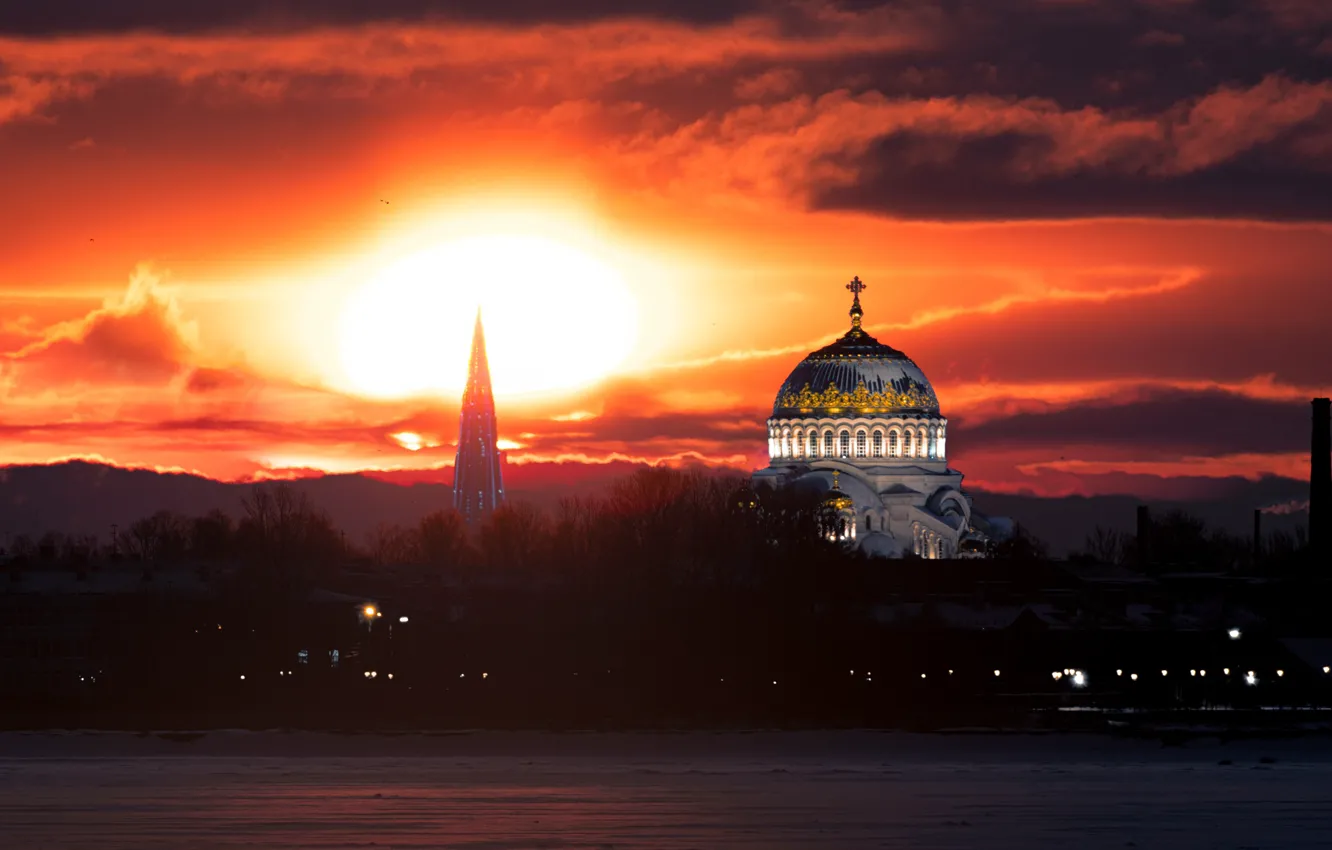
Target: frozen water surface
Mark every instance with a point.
(763, 790)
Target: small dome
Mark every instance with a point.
(834, 499)
(856, 373)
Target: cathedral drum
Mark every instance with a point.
(860, 419)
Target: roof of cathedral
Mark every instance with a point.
(856, 374)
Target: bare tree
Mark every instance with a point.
(1107, 545)
(392, 544)
(515, 536)
(442, 538)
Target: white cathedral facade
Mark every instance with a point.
(859, 420)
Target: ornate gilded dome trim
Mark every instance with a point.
(859, 400)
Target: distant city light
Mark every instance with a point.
(1079, 679)
(1119, 672)
(390, 675)
(1234, 634)
(1056, 675)
(996, 672)
(950, 672)
(402, 619)
(1327, 669)
(1281, 672)
(484, 675)
(1225, 670)
(242, 677)
(1164, 672)
(922, 675)
(1202, 672)
(1250, 679)
(1133, 676)
(369, 611)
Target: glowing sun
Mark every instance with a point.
(555, 318)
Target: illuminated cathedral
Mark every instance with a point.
(858, 420)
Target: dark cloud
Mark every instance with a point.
(939, 177)
(20, 17)
(1160, 422)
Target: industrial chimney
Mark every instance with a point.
(1257, 534)
(1320, 477)
(1144, 537)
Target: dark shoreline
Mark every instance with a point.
(1166, 726)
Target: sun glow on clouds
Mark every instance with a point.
(412, 441)
(556, 317)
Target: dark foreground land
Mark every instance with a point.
(762, 790)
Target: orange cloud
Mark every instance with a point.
(137, 338)
(567, 58)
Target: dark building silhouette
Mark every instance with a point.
(1320, 476)
(478, 486)
(1144, 537)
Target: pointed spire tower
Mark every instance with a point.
(478, 487)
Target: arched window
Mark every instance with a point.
(894, 447)
(876, 444)
(908, 449)
(844, 444)
(869, 522)
(862, 443)
(827, 443)
(786, 442)
(813, 446)
(796, 443)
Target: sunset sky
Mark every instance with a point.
(251, 243)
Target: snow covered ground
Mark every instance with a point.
(762, 790)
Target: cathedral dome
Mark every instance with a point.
(856, 374)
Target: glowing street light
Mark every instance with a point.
(1056, 675)
(402, 619)
(1250, 679)
(1133, 676)
(996, 672)
(1234, 633)
(369, 611)
(1079, 679)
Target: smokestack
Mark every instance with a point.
(1144, 536)
(1257, 533)
(1320, 476)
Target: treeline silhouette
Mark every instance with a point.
(684, 526)
(1176, 541)
(658, 524)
